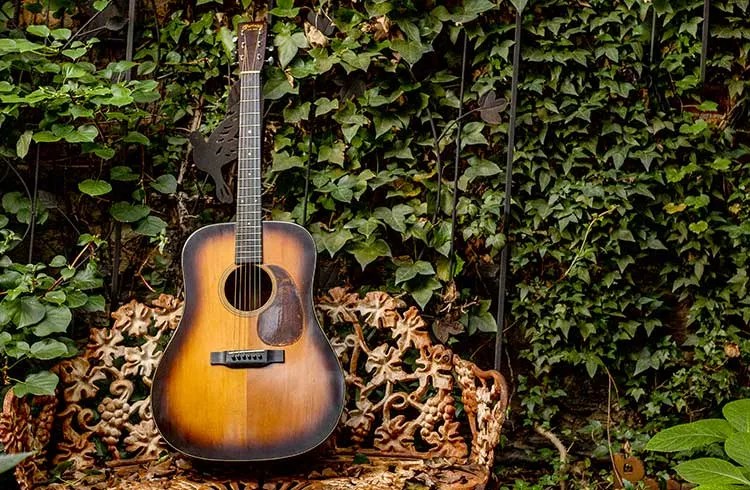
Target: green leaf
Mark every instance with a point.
(738, 414)
(94, 188)
(324, 105)
(483, 322)
(38, 30)
(711, 471)
(85, 279)
(100, 5)
(277, 85)
(48, 349)
(284, 8)
(14, 202)
(289, 45)
(126, 212)
(334, 153)
(23, 143)
(227, 40)
(41, 384)
(9, 461)
(61, 34)
(74, 54)
(410, 51)
(719, 487)
(283, 161)
(84, 134)
(55, 297)
(46, 137)
(25, 311)
(151, 226)
(56, 320)
(136, 137)
(721, 164)
(737, 447)
(123, 174)
(296, 113)
(94, 303)
(335, 240)
(76, 299)
(58, 261)
(166, 184)
(367, 252)
(409, 271)
(690, 436)
(698, 227)
(423, 291)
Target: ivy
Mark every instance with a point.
(628, 237)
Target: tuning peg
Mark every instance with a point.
(270, 49)
(269, 59)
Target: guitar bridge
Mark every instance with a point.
(247, 358)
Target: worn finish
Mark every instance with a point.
(281, 410)
(281, 322)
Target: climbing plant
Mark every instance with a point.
(628, 235)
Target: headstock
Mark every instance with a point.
(251, 46)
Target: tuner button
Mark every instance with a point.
(270, 49)
(269, 59)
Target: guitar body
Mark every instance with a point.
(226, 412)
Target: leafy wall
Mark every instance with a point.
(629, 234)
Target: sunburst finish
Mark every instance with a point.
(229, 414)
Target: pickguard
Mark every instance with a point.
(281, 322)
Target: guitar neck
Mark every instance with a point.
(249, 232)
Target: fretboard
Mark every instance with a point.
(249, 240)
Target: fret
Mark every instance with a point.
(248, 237)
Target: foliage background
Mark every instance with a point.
(629, 235)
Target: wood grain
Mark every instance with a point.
(220, 413)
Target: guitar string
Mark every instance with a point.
(248, 288)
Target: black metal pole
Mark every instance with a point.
(653, 35)
(454, 217)
(704, 43)
(504, 256)
(115, 288)
(34, 210)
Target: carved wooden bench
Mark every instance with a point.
(416, 415)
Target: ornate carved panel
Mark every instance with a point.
(416, 413)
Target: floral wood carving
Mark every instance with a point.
(106, 405)
(401, 418)
(405, 386)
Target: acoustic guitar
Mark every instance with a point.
(249, 374)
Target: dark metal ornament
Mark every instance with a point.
(221, 147)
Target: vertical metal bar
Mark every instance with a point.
(704, 44)
(34, 196)
(115, 290)
(653, 35)
(311, 117)
(459, 127)
(504, 256)
(131, 34)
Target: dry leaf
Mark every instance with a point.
(316, 38)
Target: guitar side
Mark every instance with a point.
(219, 413)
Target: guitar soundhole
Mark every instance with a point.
(248, 287)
